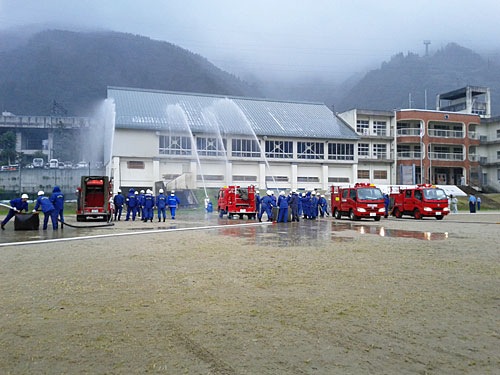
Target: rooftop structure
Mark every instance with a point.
(469, 99)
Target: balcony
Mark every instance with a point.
(373, 133)
(446, 156)
(380, 156)
(409, 155)
(474, 135)
(408, 132)
(446, 133)
(474, 157)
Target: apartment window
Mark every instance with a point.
(380, 151)
(362, 126)
(364, 174)
(307, 179)
(498, 155)
(498, 133)
(210, 146)
(279, 149)
(498, 174)
(245, 148)
(379, 175)
(340, 151)
(277, 178)
(379, 127)
(404, 151)
(135, 164)
(310, 150)
(363, 149)
(210, 177)
(175, 145)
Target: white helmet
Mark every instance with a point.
(41, 192)
(149, 191)
(322, 195)
(294, 191)
(303, 194)
(173, 191)
(272, 192)
(269, 192)
(142, 191)
(172, 194)
(313, 193)
(160, 191)
(136, 192)
(24, 196)
(282, 193)
(119, 191)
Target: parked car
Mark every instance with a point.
(4, 168)
(82, 165)
(68, 165)
(29, 166)
(38, 162)
(53, 163)
(60, 165)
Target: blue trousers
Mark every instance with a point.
(53, 217)
(172, 212)
(283, 215)
(268, 211)
(147, 213)
(59, 214)
(9, 216)
(162, 211)
(132, 210)
(118, 212)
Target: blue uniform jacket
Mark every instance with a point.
(57, 198)
(294, 201)
(19, 204)
(140, 200)
(45, 203)
(161, 201)
(173, 201)
(267, 202)
(132, 200)
(282, 202)
(149, 201)
(118, 200)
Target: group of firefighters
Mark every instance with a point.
(52, 207)
(309, 205)
(143, 203)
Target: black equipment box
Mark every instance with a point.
(29, 221)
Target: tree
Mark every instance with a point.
(8, 146)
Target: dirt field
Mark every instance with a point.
(394, 297)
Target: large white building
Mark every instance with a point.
(267, 143)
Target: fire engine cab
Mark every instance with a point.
(236, 200)
(362, 200)
(423, 200)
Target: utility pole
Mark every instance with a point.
(427, 42)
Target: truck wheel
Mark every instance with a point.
(229, 215)
(440, 217)
(337, 214)
(376, 218)
(352, 216)
(398, 213)
(417, 214)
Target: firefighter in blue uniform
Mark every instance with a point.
(17, 205)
(323, 206)
(131, 205)
(283, 208)
(118, 200)
(299, 201)
(148, 204)
(266, 205)
(387, 202)
(314, 206)
(48, 210)
(293, 203)
(173, 201)
(306, 205)
(161, 204)
(140, 204)
(57, 200)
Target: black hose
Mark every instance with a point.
(86, 226)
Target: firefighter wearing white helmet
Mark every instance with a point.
(118, 200)
(48, 210)
(173, 201)
(266, 205)
(148, 206)
(314, 205)
(18, 205)
(161, 205)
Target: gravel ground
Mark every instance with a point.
(326, 297)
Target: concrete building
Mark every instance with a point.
(270, 144)
(489, 153)
(469, 99)
(37, 133)
(375, 149)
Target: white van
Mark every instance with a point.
(38, 162)
(53, 163)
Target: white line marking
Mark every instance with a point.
(126, 234)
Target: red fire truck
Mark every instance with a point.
(94, 198)
(420, 201)
(362, 200)
(236, 200)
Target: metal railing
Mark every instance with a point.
(446, 133)
(474, 157)
(446, 156)
(408, 132)
(473, 135)
(409, 155)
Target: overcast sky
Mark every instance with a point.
(280, 38)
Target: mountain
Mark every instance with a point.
(75, 68)
(449, 68)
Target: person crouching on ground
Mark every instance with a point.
(48, 210)
(17, 205)
(57, 200)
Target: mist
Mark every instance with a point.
(278, 40)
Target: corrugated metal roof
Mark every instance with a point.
(165, 110)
